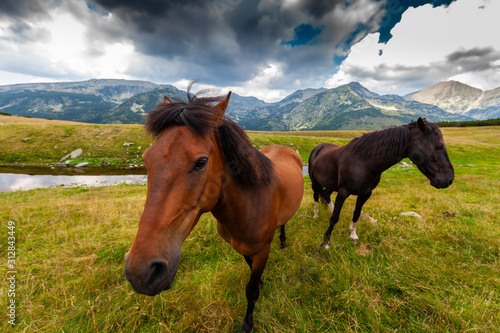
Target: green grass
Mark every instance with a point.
(46, 144)
(439, 274)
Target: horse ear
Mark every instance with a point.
(166, 100)
(422, 125)
(222, 106)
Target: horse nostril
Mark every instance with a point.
(158, 269)
(450, 181)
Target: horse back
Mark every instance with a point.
(289, 180)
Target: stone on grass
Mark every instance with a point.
(411, 214)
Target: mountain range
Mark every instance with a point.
(458, 98)
(349, 106)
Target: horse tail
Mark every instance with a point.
(316, 186)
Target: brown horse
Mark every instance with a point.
(203, 162)
(356, 167)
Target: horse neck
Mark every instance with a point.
(388, 162)
(231, 204)
(387, 157)
(237, 200)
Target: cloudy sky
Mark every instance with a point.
(264, 48)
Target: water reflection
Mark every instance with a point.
(16, 182)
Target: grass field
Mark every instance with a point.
(439, 274)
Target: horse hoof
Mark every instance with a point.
(354, 240)
(325, 246)
(315, 216)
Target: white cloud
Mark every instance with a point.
(257, 87)
(64, 53)
(420, 50)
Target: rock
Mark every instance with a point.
(412, 214)
(405, 165)
(128, 144)
(79, 165)
(26, 139)
(73, 154)
(76, 153)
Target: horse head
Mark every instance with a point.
(427, 151)
(185, 169)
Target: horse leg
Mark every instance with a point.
(317, 188)
(253, 287)
(357, 212)
(327, 194)
(282, 237)
(316, 211)
(249, 261)
(339, 202)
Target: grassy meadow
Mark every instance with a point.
(438, 274)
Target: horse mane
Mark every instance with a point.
(242, 160)
(387, 142)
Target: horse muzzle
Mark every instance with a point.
(150, 279)
(442, 182)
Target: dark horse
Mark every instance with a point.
(203, 162)
(356, 167)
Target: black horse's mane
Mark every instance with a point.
(387, 142)
(242, 159)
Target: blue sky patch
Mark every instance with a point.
(304, 33)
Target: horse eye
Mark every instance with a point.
(201, 164)
(439, 147)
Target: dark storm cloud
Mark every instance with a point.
(232, 40)
(227, 42)
(23, 8)
(318, 8)
(475, 59)
(20, 13)
(475, 53)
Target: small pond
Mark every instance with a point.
(17, 179)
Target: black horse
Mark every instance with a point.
(356, 167)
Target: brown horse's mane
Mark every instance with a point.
(243, 160)
(391, 141)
